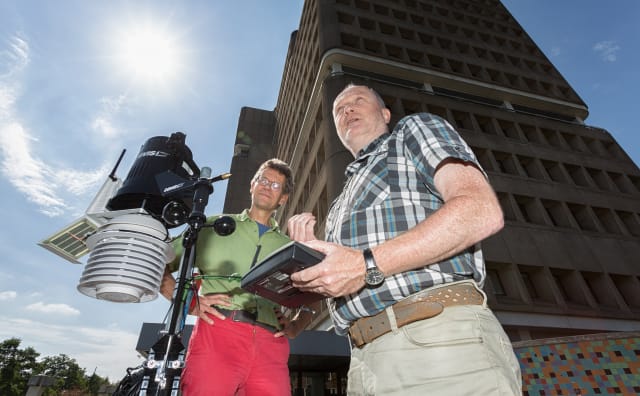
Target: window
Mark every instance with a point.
(552, 137)
(583, 217)
(410, 106)
(578, 175)
(600, 178)
(535, 280)
(554, 170)
(529, 209)
(607, 220)
(622, 183)
(366, 23)
(629, 288)
(630, 221)
(495, 284)
(462, 120)
(557, 213)
(530, 167)
(509, 129)
(575, 142)
(600, 287)
(502, 282)
(531, 133)
(486, 125)
(568, 283)
(506, 163)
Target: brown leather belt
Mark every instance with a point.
(245, 317)
(422, 305)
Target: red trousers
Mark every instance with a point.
(234, 358)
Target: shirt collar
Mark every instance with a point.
(244, 216)
(371, 147)
(365, 152)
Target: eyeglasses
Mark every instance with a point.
(263, 181)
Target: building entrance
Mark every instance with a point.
(318, 364)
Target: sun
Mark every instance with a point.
(148, 54)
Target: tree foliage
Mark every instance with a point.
(18, 365)
(65, 370)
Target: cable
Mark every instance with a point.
(131, 383)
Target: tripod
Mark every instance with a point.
(163, 367)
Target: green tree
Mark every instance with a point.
(94, 382)
(66, 371)
(16, 367)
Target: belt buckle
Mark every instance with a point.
(244, 316)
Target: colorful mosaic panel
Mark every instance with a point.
(584, 367)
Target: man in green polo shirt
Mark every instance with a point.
(237, 344)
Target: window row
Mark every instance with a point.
(511, 283)
(491, 9)
(524, 82)
(560, 214)
(463, 46)
(308, 176)
(454, 9)
(297, 82)
(520, 131)
(439, 19)
(552, 171)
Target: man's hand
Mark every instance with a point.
(340, 273)
(204, 306)
(300, 227)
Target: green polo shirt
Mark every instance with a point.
(219, 257)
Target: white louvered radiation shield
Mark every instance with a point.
(127, 259)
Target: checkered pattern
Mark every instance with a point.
(390, 189)
(584, 367)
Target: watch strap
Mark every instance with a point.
(369, 261)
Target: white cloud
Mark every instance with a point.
(39, 182)
(103, 123)
(111, 349)
(14, 59)
(103, 127)
(58, 309)
(113, 105)
(78, 182)
(607, 50)
(7, 98)
(8, 295)
(28, 174)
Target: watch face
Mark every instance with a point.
(374, 277)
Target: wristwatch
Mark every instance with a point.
(373, 276)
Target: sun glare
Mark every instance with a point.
(148, 55)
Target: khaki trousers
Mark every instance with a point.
(462, 351)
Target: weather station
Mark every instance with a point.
(125, 231)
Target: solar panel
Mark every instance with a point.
(69, 242)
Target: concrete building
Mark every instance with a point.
(566, 262)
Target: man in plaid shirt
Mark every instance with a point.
(403, 266)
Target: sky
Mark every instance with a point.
(80, 81)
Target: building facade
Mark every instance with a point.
(566, 262)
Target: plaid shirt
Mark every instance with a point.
(390, 189)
